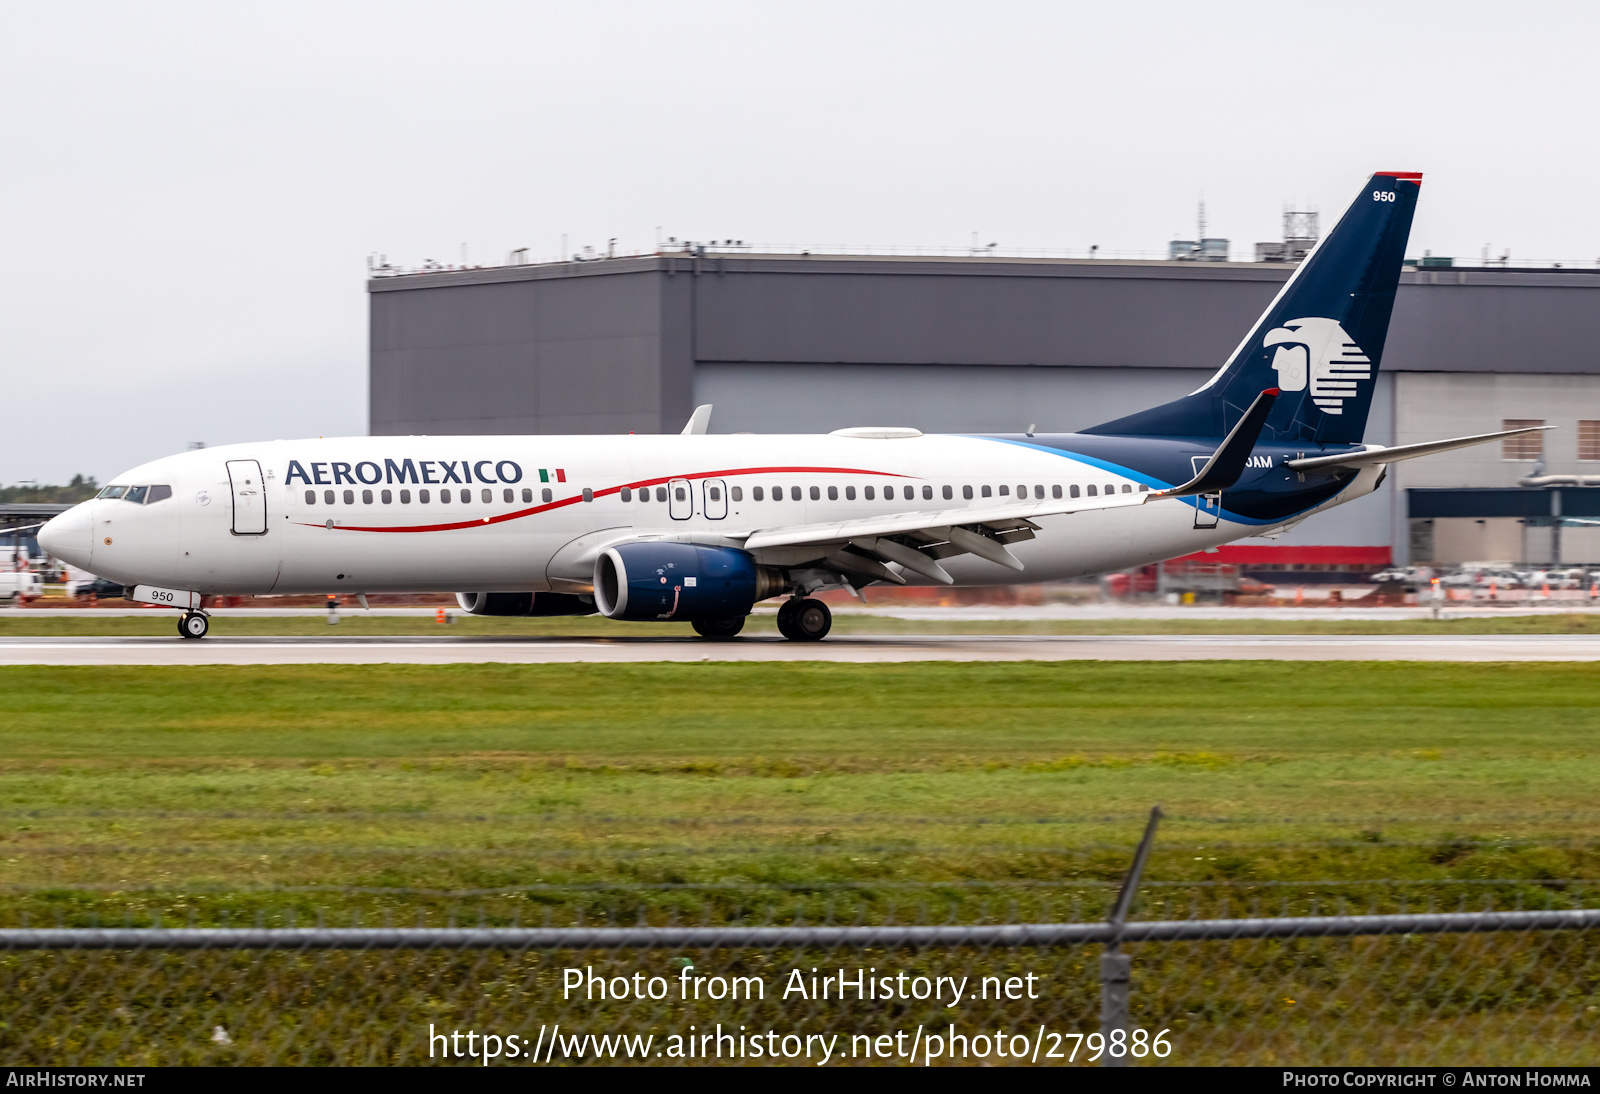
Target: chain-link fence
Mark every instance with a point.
(1416, 985)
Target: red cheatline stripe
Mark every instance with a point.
(558, 503)
(1413, 176)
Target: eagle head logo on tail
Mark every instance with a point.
(1318, 352)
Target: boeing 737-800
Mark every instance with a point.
(698, 527)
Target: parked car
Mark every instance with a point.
(101, 587)
(20, 585)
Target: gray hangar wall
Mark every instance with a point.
(788, 343)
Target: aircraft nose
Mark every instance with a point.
(70, 536)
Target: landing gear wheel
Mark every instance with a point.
(193, 625)
(719, 628)
(804, 620)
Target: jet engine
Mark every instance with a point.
(525, 604)
(662, 580)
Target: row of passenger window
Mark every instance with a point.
(424, 497)
(907, 493)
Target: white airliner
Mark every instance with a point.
(699, 527)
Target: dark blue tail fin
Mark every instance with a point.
(1319, 342)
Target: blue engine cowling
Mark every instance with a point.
(679, 582)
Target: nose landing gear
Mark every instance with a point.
(193, 625)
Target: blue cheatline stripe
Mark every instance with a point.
(1149, 480)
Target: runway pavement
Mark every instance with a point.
(425, 650)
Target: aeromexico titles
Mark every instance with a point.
(700, 527)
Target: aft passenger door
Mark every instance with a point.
(715, 505)
(1206, 506)
(680, 499)
(249, 498)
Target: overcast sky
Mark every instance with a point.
(189, 192)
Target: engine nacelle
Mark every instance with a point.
(680, 582)
(525, 604)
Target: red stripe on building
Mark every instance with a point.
(1272, 558)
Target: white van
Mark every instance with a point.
(20, 585)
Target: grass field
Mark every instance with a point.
(706, 792)
(354, 623)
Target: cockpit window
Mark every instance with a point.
(112, 492)
(158, 493)
(136, 494)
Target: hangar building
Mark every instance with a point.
(808, 343)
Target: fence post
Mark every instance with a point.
(1116, 967)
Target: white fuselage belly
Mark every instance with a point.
(189, 541)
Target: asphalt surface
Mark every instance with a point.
(427, 650)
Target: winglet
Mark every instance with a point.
(1226, 464)
(699, 421)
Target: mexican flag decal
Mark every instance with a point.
(548, 475)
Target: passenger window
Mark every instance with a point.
(349, 497)
(311, 497)
(1144, 488)
(1022, 492)
(422, 497)
(758, 494)
(948, 493)
(680, 493)
(1111, 488)
(327, 497)
(1055, 492)
(544, 495)
(136, 494)
(927, 493)
(794, 493)
(527, 494)
(588, 494)
(1005, 491)
(888, 493)
(444, 496)
(833, 493)
(715, 493)
(488, 495)
(849, 493)
(366, 497)
(736, 493)
(816, 495)
(1074, 490)
(627, 494)
(1038, 493)
(868, 492)
(387, 497)
(158, 493)
(985, 491)
(1126, 489)
(1091, 490)
(510, 495)
(661, 493)
(966, 492)
(405, 497)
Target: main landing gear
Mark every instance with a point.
(193, 625)
(804, 620)
(719, 628)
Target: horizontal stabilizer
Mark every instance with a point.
(1376, 454)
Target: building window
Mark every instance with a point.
(966, 492)
(758, 494)
(1588, 439)
(1529, 446)
(833, 493)
(311, 497)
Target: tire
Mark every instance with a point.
(786, 612)
(809, 622)
(719, 628)
(193, 625)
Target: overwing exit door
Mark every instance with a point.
(680, 499)
(715, 505)
(249, 498)
(1206, 506)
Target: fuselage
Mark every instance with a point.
(530, 513)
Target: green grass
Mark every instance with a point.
(354, 624)
(755, 791)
